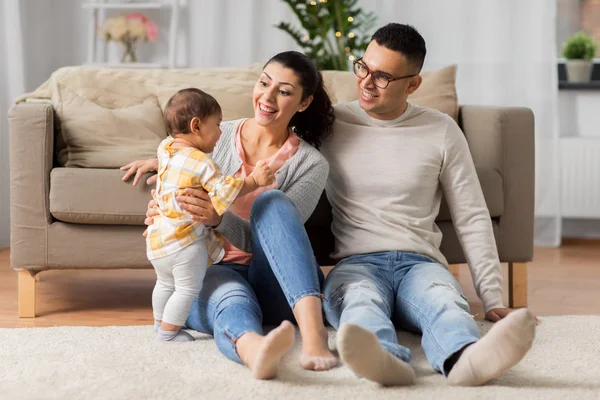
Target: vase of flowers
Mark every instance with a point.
(129, 30)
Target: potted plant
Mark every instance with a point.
(579, 50)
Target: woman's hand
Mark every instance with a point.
(152, 210)
(139, 168)
(197, 203)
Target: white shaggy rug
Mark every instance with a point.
(127, 363)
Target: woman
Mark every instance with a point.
(280, 280)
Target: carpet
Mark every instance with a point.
(127, 363)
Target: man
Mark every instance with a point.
(389, 163)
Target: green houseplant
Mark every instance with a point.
(579, 51)
(332, 33)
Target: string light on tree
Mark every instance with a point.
(330, 31)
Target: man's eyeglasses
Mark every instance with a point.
(379, 79)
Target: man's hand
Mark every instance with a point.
(497, 314)
(197, 203)
(139, 168)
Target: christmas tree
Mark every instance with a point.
(333, 33)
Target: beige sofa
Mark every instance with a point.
(70, 209)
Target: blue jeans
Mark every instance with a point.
(382, 291)
(236, 299)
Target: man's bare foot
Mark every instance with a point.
(262, 354)
(316, 355)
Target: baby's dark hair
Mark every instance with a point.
(185, 105)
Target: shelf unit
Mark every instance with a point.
(97, 14)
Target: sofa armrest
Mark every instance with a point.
(502, 138)
(31, 134)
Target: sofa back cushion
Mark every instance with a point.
(109, 117)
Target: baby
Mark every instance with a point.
(179, 248)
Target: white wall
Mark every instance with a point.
(580, 124)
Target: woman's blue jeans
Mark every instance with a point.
(237, 299)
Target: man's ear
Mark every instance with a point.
(414, 84)
(195, 125)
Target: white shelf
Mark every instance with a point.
(127, 65)
(97, 12)
(125, 5)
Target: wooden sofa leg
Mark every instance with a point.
(26, 294)
(517, 285)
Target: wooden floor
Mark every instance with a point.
(563, 281)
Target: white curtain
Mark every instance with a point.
(505, 51)
(11, 85)
(506, 56)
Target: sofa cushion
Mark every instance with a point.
(437, 91)
(97, 196)
(109, 117)
(96, 136)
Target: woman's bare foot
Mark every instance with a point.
(262, 353)
(316, 355)
(315, 350)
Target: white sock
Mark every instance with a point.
(501, 348)
(174, 336)
(361, 351)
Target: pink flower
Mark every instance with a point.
(151, 31)
(138, 16)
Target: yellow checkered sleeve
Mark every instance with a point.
(174, 229)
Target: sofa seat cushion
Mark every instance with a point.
(97, 196)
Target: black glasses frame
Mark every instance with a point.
(378, 74)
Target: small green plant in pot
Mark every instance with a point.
(579, 50)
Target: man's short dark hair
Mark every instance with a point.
(404, 39)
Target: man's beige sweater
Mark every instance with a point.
(385, 186)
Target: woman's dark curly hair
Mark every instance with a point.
(315, 123)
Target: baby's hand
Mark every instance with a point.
(263, 175)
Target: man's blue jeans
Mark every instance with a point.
(382, 291)
(237, 299)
